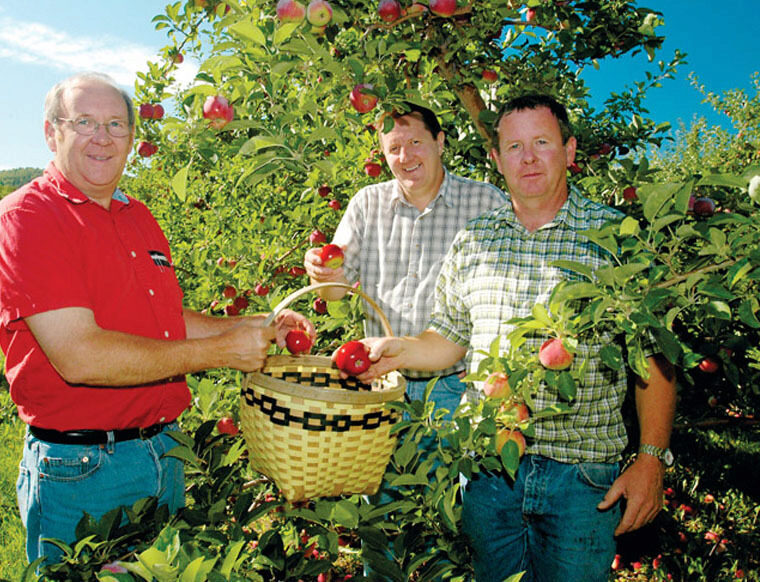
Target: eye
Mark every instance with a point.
(393, 150)
(85, 123)
(117, 124)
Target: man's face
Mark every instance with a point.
(92, 163)
(414, 156)
(531, 155)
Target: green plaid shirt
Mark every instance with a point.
(497, 270)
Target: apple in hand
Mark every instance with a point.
(443, 7)
(218, 111)
(226, 425)
(553, 355)
(290, 11)
(319, 13)
(353, 358)
(331, 256)
(297, 341)
(361, 101)
(497, 385)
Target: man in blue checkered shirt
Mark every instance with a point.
(395, 234)
(558, 519)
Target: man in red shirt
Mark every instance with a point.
(92, 326)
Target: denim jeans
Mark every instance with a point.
(545, 524)
(58, 483)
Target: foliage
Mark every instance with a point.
(18, 176)
(238, 205)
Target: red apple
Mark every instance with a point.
(361, 101)
(177, 58)
(260, 289)
(497, 385)
(226, 425)
(505, 435)
(389, 10)
(296, 271)
(290, 11)
(704, 206)
(334, 204)
(575, 168)
(530, 14)
(630, 194)
(319, 13)
(158, 111)
(229, 292)
(331, 256)
(605, 149)
(443, 7)
(218, 111)
(317, 237)
(353, 358)
(146, 149)
(416, 8)
(297, 341)
(490, 76)
(324, 190)
(373, 169)
(709, 365)
(241, 302)
(320, 305)
(146, 111)
(553, 355)
(231, 310)
(516, 410)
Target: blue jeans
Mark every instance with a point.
(545, 524)
(58, 483)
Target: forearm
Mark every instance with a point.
(656, 403)
(429, 351)
(198, 325)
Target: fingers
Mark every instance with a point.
(316, 271)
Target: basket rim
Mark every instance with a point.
(337, 395)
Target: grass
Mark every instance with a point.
(12, 535)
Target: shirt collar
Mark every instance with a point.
(569, 214)
(397, 196)
(70, 192)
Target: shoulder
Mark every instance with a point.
(470, 186)
(594, 213)
(33, 197)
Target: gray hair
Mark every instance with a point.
(54, 98)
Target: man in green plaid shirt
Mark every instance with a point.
(558, 519)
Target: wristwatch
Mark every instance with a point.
(663, 454)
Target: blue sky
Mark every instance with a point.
(43, 41)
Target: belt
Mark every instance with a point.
(428, 378)
(95, 437)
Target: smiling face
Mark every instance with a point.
(414, 157)
(533, 158)
(92, 163)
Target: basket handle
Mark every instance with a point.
(296, 294)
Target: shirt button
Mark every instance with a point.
(134, 254)
(151, 291)
(166, 334)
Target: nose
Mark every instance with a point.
(403, 154)
(528, 155)
(101, 134)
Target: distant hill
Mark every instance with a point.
(12, 179)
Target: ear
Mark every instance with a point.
(441, 139)
(49, 129)
(570, 147)
(496, 159)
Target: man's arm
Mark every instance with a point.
(641, 483)
(426, 351)
(84, 353)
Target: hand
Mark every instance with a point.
(288, 320)
(641, 486)
(318, 272)
(385, 354)
(247, 344)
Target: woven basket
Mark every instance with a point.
(313, 433)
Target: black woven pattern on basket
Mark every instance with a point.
(320, 380)
(316, 421)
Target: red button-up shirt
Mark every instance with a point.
(60, 249)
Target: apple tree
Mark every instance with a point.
(254, 161)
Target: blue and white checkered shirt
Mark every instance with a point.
(396, 251)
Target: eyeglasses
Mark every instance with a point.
(88, 126)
